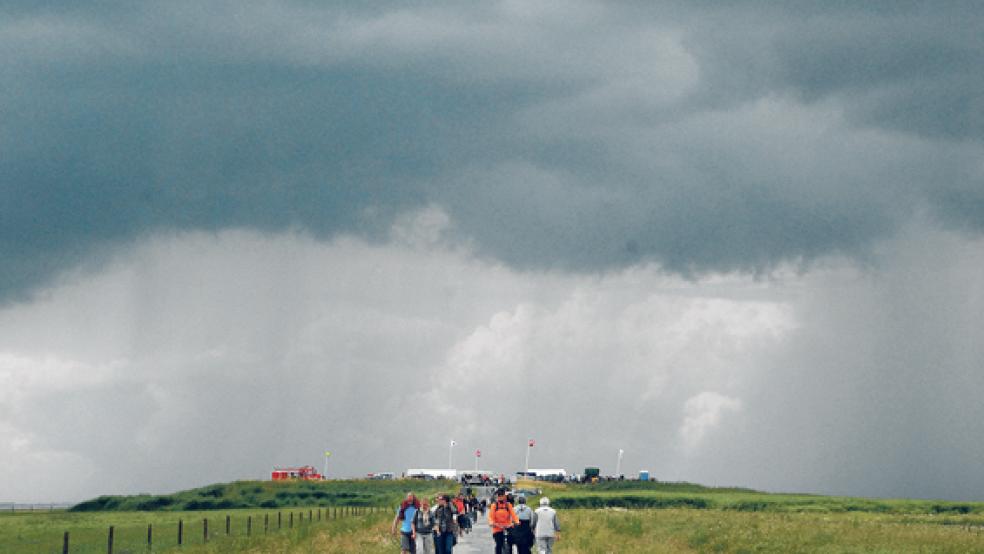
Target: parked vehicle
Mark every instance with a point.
(480, 477)
(304, 473)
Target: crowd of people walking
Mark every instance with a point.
(438, 527)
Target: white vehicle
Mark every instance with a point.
(383, 475)
(548, 474)
(432, 474)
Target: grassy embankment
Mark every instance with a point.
(685, 530)
(636, 494)
(354, 516)
(682, 517)
(625, 517)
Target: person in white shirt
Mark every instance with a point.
(546, 525)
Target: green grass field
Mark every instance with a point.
(38, 532)
(679, 530)
(637, 495)
(640, 517)
(308, 512)
(624, 517)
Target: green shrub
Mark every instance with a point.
(194, 505)
(629, 501)
(215, 491)
(154, 503)
(951, 509)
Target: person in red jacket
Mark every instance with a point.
(463, 519)
(501, 517)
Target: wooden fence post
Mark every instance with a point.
(279, 521)
(291, 524)
(150, 535)
(310, 519)
(65, 544)
(180, 531)
(249, 525)
(205, 530)
(266, 523)
(109, 542)
(227, 524)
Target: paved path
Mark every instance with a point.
(479, 541)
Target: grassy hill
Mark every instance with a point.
(269, 494)
(613, 494)
(636, 494)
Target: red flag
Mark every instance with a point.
(532, 443)
(478, 453)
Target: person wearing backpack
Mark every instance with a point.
(445, 525)
(522, 535)
(423, 524)
(546, 526)
(501, 517)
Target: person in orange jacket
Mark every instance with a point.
(459, 504)
(501, 517)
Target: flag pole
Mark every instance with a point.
(618, 466)
(528, 446)
(451, 455)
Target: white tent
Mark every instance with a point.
(433, 473)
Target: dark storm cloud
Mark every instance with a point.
(577, 136)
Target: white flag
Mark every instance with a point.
(620, 451)
(453, 443)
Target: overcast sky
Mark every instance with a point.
(742, 242)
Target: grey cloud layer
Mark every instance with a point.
(574, 135)
(204, 357)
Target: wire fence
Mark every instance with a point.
(184, 530)
(19, 507)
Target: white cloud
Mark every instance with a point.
(423, 228)
(704, 412)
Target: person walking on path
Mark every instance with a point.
(423, 526)
(445, 525)
(546, 526)
(473, 507)
(522, 535)
(463, 519)
(404, 516)
(501, 517)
